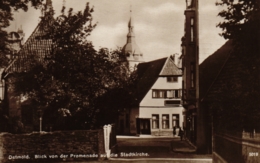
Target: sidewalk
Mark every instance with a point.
(182, 146)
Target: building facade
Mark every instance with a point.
(158, 108)
(194, 116)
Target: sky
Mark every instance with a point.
(158, 24)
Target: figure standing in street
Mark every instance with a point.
(174, 131)
(181, 133)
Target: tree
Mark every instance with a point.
(6, 9)
(120, 96)
(241, 22)
(239, 104)
(69, 85)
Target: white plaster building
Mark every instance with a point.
(158, 107)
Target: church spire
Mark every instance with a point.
(130, 21)
(131, 50)
(64, 3)
(130, 35)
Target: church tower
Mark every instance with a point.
(194, 121)
(131, 50)
(14, 42)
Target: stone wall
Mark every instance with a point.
(230, 148)
(53, 146)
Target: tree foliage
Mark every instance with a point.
(7, 7)
(70, 85)
(238, 106)
(237, 15)
(241, 22)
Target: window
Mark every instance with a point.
(192, 29)
(191, 34)
(173, 93)
(192, 79)
(170, 94)
(176, 93)
(175, 120)
(192, 71)
(155, 121)
(159, 94)
(165, 121)
(172, 79)
(192, 21)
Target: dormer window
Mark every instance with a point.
(172, 79)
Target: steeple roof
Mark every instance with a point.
(131, 49)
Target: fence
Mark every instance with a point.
(236, 147)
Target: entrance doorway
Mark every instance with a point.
(143, 126)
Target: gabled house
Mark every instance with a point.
(158, 109)
(38, 47)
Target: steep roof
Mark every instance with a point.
(35, 47)
(233, 96)
(211, 67)
(238, 76)
(170, 69)
(149, 72)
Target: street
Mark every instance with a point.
(154, 149)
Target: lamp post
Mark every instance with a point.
(40, 119)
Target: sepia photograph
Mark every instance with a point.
(172, 81)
